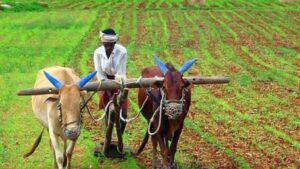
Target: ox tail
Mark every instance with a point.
(35, 145)
(142, 146)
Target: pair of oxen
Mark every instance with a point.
(164, 105)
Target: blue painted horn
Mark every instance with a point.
(52, 79)
(86, 79)
(187, 65)
(161, 65)
(57, 84)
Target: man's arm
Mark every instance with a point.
(97, 64)
(122, 66)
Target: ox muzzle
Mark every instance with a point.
(72, 132)
(71, 129)
(174, 108)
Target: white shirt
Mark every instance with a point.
(114, 65)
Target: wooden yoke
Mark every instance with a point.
(130, 83)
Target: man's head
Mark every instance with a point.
(109, 39)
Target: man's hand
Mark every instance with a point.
(119, 78)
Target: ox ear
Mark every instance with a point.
(187, 84)
(52, 99)
(53, 80)
(86, 79)
(187, 65)
(160, 64)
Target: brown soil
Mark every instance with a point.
(296, 102)
(142, 5)
(172, 25)
(164, 5)
(206, 155)
(174, 5)
(191, 43)
(141, 29)
(219, 93)
(125, 38)
(154, 5)
(277, 153)
(174, 49)
(186, 3)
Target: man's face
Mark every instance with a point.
(109, 46)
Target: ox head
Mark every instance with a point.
(69, 102)
(174, 86)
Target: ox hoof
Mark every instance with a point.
(157, 164)
(174, 166)
(112, 151)
(98, 150)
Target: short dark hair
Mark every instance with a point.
(109, 31)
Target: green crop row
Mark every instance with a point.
(33, 5)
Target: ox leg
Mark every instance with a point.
(167, 142)
(154, 152)
(69, 153)
(174, 142)
(55, 144)
(54, 163)
(65, 155)
(164, 150)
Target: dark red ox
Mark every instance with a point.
(173, 97)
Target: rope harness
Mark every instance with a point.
(160, 108)
(61, 119)
(82, 106)
(172, 109)
(87, 108)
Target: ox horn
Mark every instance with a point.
(162, 66)
(86, 79)
(53, 80)
(187, 65)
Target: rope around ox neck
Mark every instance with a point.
(154, 114)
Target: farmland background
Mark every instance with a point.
(252, 122)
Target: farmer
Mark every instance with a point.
(110, 62)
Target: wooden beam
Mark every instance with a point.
(130, 83)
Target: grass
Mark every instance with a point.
(39, 45)
(254, 42)
(283, 136)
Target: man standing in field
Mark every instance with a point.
(110, 61)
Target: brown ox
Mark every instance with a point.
(173, 97)
(61, 113)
